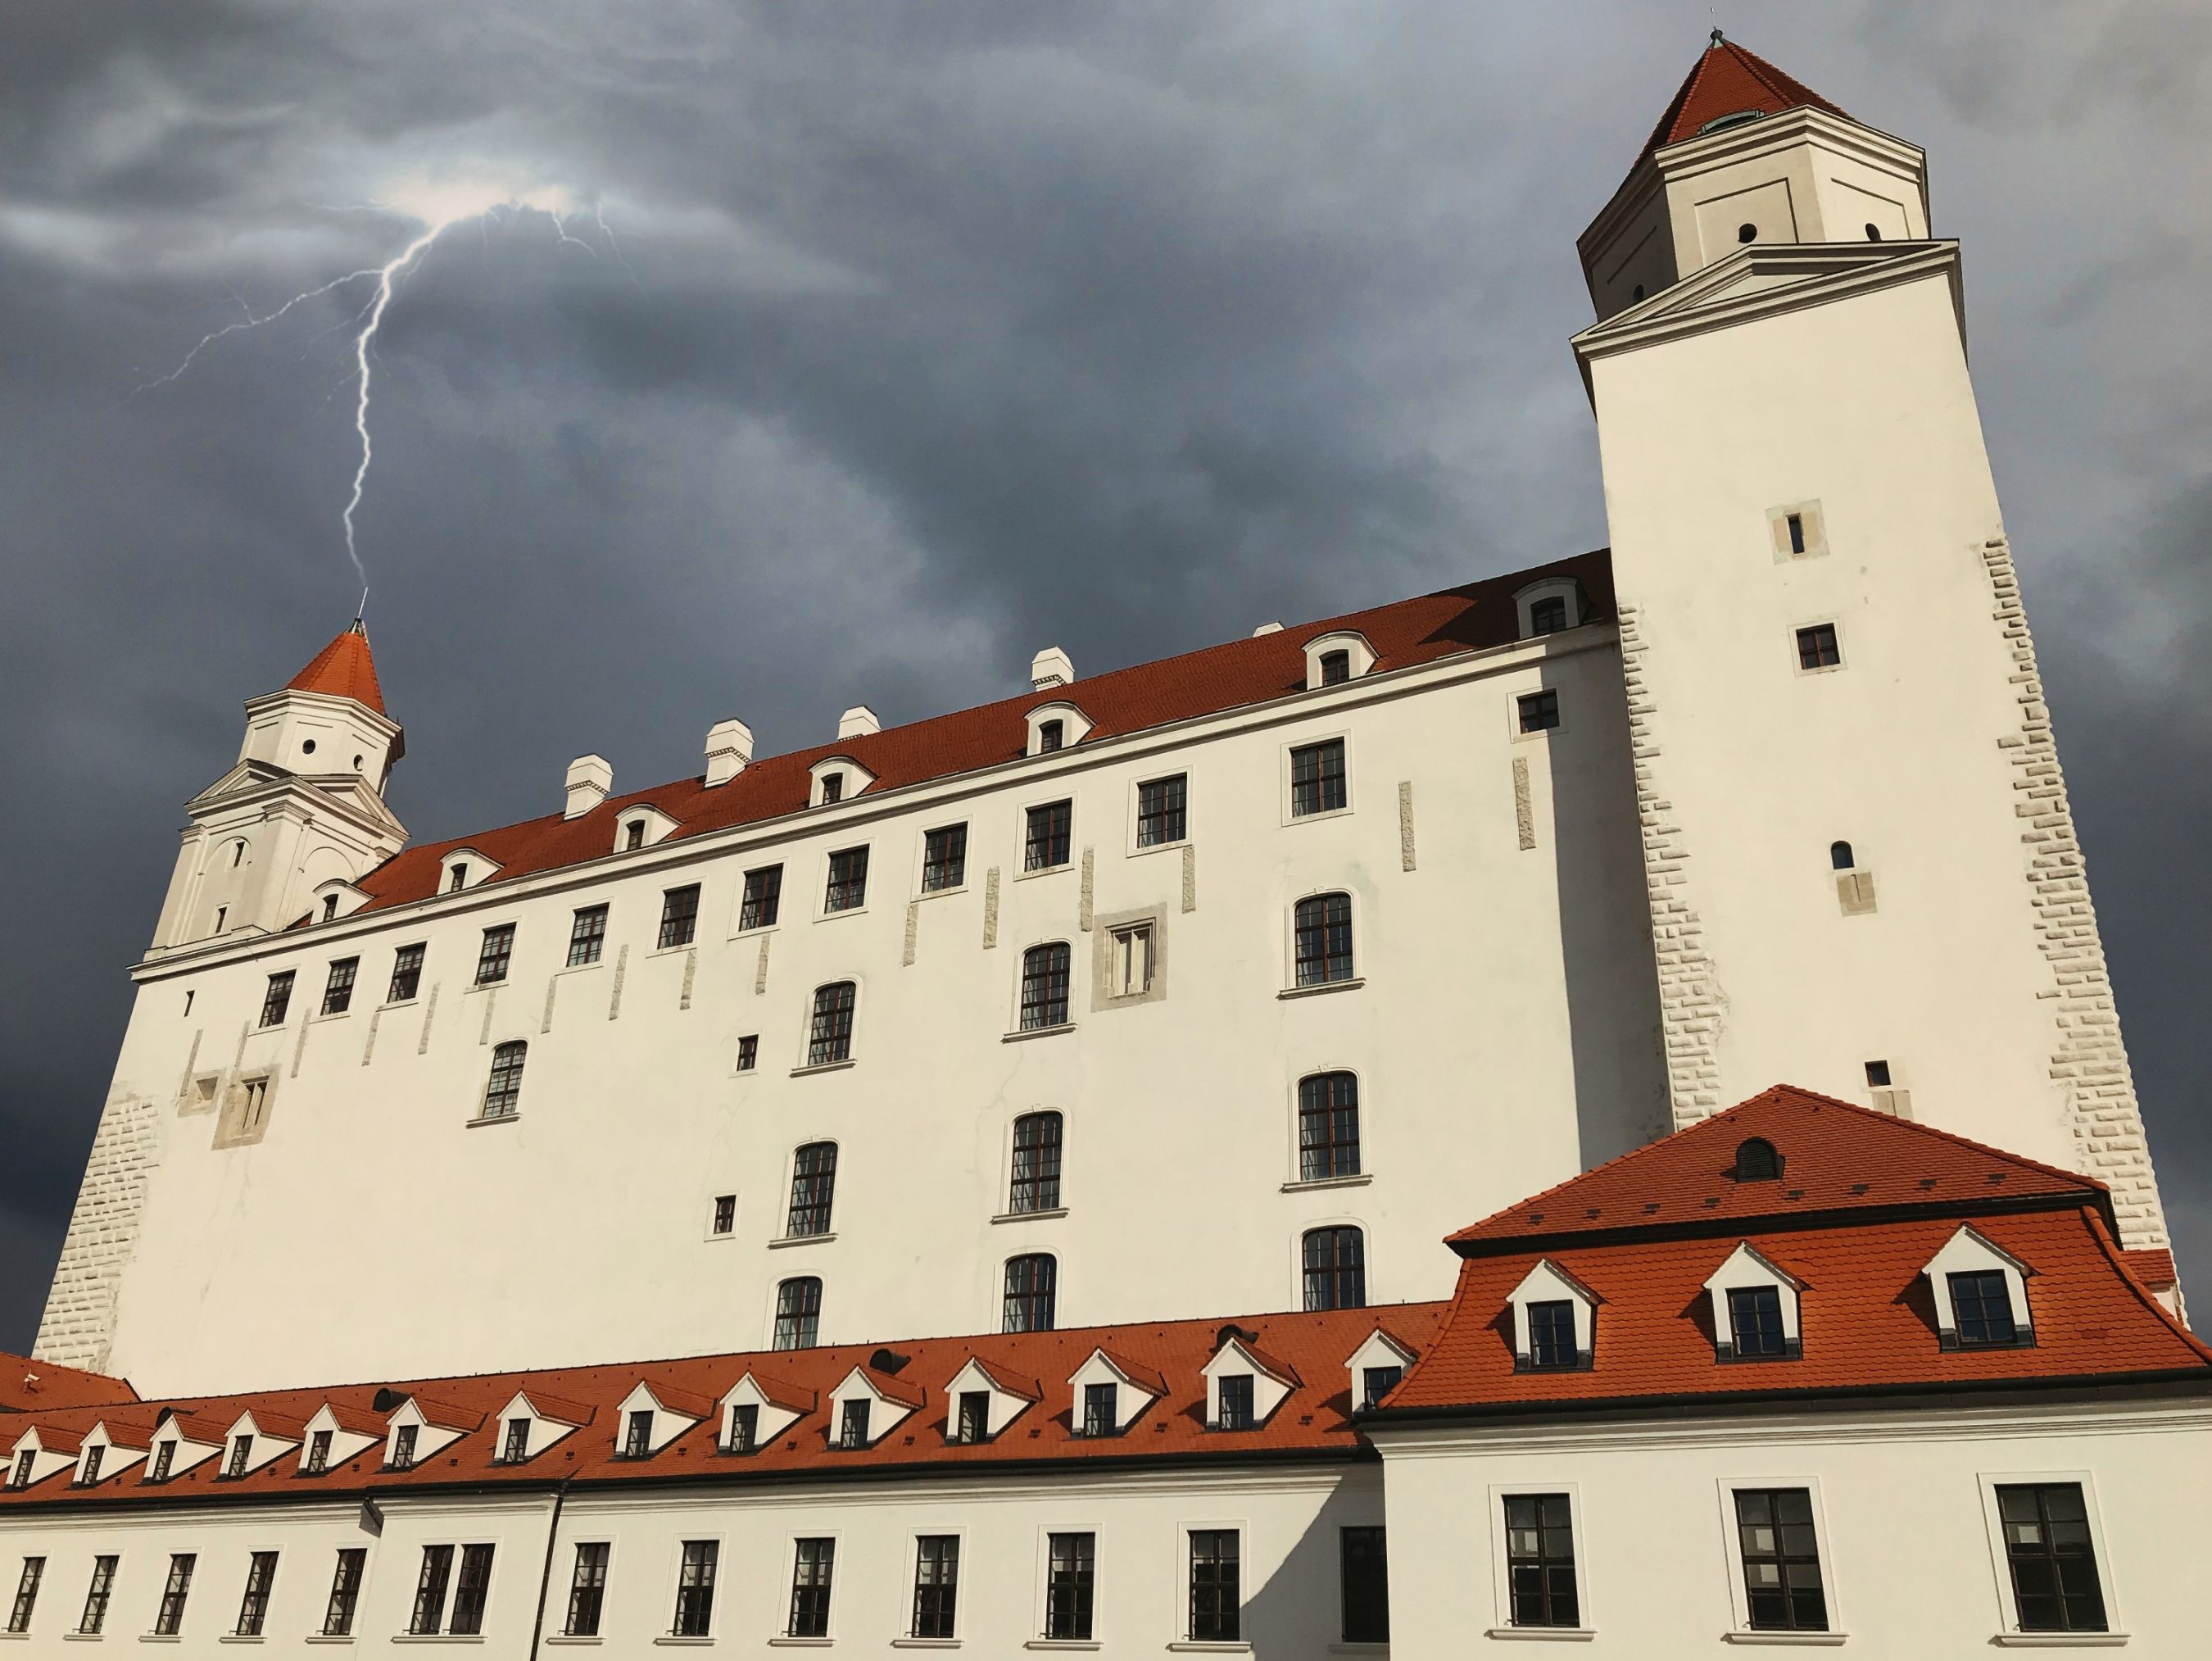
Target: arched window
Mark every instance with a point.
(1044, 986)
(1036, 1185)
(1328, 1127)
(813, 1187)
(1324, 939)
(458, 878)
(1756, 1161)
(1030, 1282)
(330, 907)
(1335, 668)
(503, 1090)
(798, 1312)
(1051, 735)
(634, 834)
(1335, 1269)
(1839, 855)
(831, 1037)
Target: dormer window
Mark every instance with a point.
(634, 834)
(165, 1455)
(835, 779)
(1376, 1383)
(1055, 727)
(1100, 1409)
(1550, 606)
(974, 1423)
(833, 788)
(1547, 616)
(1051, 735)
(457, 879)
(744, 1427)
(1755, 1323)
(318, 1453)
(1754, 1308)
(330, 907)
(637, 1438)
(1756, 1161)
(516, 1448)
(1554, 1321)
(241, 1450)
(1335, 668)
(26, 1461)
(1551, 1334)
(853, 1422)
(88, 1473)
(1980, 1294)
(1235, 1395)
(1339, 656)
(1983, 1305)
(403, 1447)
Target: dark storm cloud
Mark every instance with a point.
(934, 335)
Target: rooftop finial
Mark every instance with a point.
(1717, 37)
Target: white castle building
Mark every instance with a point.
(921, 1100)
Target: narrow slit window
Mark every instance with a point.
(1796, 523)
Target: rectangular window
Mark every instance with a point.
(1051, 735)
(831, 1038)
(1235, 1401)
(726, 1212)
(813, 1563)
(1160, 811)
(943, 858)
(1547, 616)
(403, 1447)
(1335, 668)
(170, 1616)
(406, 973)
(430, 1610)
(516, 1448)
(26, 1461)
(1781, 1583)
(853, 1422)
(1045, 972)
(587, 935)
(345, 1592)
(1817, 648)
(1539, 711)
(1366, 1582)
(2051, 1556)
(253, 1608)
(1755, 1322)
(748, 1052)
(813, 1190)
(496, 954)
(241, 1451)
(164, 1454)
(1216, 1600)
(338, 991)
(1317, 782)
(936, 1584)
(1540, 1560)
(97, 1594)
(695, 1589)
(763, 896)
(88, 1472)
(679, 916)
(277, 1000)
(1100, 1404)
(1983, 1305)
(318, 1453)
(1321, 939)
(1048, 842)
(27, 1594)
(587, 1591)
(848, 881)
(798, 1313)
(1328, 1127)
(744, 1426)
(1376, 1383)
(975, 1416)
(1551, 1334)
(1071, 1577)
(1130, 962)
(637, 1434)
(469, 1591)
(1035, 1185)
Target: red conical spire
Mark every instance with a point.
(1726, 80)
(344, 669)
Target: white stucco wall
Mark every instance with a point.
(1904, 1542)
(1505, 1036)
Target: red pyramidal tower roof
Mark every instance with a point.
(344, 669)
(1726, 80)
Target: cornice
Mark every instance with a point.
(680, 851)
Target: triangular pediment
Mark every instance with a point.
(347, 795)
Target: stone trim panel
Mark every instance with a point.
(78, 1327)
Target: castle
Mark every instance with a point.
(1231, 983)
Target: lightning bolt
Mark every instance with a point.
(385, 275)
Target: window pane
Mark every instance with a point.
(936, 1584)
(1335, 1269)
(2051, 1556)
(1160, 811)
(679, 916)
(1317, 779)
(1036, 1185)
(1031, 1284)
(587, 935)
(503, 1090)
(944, 859)
(587, 1589)
(798, 1313)
(1366, 1585)
(1551, 1334)
(496, 955)
(1216, 1595)
(1045, 971)
(1755, 1321)
(1050, 829)
(345, 1592)
(1323, 939)
(1069, 1583)
(848, 881)
(813, 1562)
(813, 1189)
(764, 895)
(1780, 1560)
(695, 1589)
(1981, 1303)
(1328, 1127)
(831, 1038)
(1540, 1560)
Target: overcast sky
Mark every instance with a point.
(929, 335)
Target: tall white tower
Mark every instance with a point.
(1862, 863)
(300, 815)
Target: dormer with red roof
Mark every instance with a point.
(285, 834)
(1746, 153)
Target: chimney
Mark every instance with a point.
(729, 750)
(1268, 629)
(858, 722)
(590, 778)
(1049, 668)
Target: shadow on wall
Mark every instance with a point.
(1616, 1046)
(1299, 1609)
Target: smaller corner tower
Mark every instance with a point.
(300, 815)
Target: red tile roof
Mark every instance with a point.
(1315, 1419)
(559, 1408)
(1835, 1157)
(1725, 81)
(2154, 1267)
(344, 669)
(1479, 616)
(27, 1387)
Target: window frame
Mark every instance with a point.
(1186, 1551)
(811, 1012)
(914, 1536)
(1517, 713)
(1362, 1173)
(822, 1196)
(1023, 871)
(588, 927)
(1797, 664)
(1042, 1620)
(772, 884)
(504, 933)
(1287, 766)
(1988, 1482)
(688, 923)
(1052, 1150)
(712, 1578)
(339, 1622)
(277, 1000)
(831, 885)
(1138, 786)
(1345, 1635)
(775, 1314)
(1738, 1593)
(510, 1061)
(1322, 1225)
(923, 888)
(1293, 986)
(1501, 1559)
(340, 988)
(1022, 1026)
(837, 1560)
(1047, 1294)
(401, 966)
(606, 1570)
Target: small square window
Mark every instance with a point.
(848, 889)
(1547, 616)
(1878, 1074)
(748, 1052)
(1539, 711)
(1817, 648)
(1160, 811)
(943, 858)
(1050, 837)
(1317, 779)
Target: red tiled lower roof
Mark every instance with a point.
(1315, 1418)
(2152, 1266)
(1868, 1321)
(1727, 80)
(1836, 1156)
(1479, 616)
(27, 1387)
